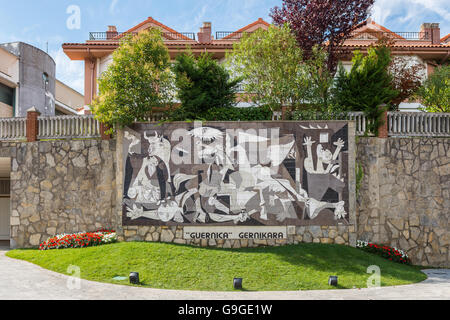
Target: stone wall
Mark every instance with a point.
(73, 186)
(404, 199)
(311, 234)
(60, 187)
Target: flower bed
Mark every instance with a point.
(392, 254)
(79, 240)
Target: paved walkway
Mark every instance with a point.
(20, 280)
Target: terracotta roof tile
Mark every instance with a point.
(445, 38)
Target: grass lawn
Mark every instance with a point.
(169, 266)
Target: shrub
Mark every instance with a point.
(367, 86)
(203, 84)
(310, 114)
(240, 114)
(392, 254)
(79, 240)
(435, 92)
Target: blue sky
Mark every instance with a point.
(39, 22)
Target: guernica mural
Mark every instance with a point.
(247, 174)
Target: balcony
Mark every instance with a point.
(408, 36)
(229, 35)
(114, 36)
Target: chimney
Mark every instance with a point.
(204, 36)
(431, 32)
(111, 33)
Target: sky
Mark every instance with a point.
(50, 23)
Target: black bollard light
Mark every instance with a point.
(134, 278)
(237, 283)
(333, 281)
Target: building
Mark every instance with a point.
(425, 46)
(446, 39)
(27, 79)
(9, 79)
(68, 101)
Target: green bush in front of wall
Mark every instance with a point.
(317, 115)
(264, 113)
(239, 114)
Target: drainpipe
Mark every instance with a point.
(98, 74)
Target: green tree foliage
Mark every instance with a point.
(137, 81)
(269, 62)
(435, 92)
(203, 84)
(263, 113)
(368, 85)
(320, 80)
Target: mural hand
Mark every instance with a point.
(135, 213)
(340, 143)
(308, 142)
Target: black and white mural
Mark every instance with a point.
(249, 174)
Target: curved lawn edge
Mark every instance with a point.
(181, 267)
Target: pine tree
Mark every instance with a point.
(367, 86)
(202, 84)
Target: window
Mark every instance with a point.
(6, 95)
(45, 77)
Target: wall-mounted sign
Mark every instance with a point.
(236, 174)
(235, 233)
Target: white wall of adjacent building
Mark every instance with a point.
(67, 100)
(9, 79)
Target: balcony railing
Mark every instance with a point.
(100, 36)
(419, 124)
(229, 35)
(13, 129)
(371, 35)
(67, 127)
(400, 124)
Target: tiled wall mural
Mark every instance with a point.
(246, 174)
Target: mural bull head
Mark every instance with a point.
(161, 148)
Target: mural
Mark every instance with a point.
(255, 174)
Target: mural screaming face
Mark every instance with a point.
(236, 174)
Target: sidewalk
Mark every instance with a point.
(20, 280)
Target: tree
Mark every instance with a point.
(270, 64)
(321, 80)
(368, 85)
(324, 23)
(203, 84)
(407, 77)
(435, 92)
(137, 81)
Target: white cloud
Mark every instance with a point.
(68, 71)
(200, 16)
(112, 6)
(380, 11)
(227, 15)
(408, 14)
(440, 7)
